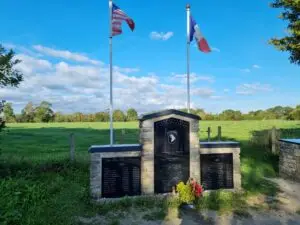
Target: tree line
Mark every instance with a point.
(43, 112)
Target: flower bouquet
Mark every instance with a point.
(189, 192)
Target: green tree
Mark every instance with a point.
(230, 114)
(9, 113)
(77, 117)
(102, 117)
(119, 116)
(9, 76)
(295, 114)
(131, 115)
(44, 113)
(28, 113)
(291, 42)
(59, 117)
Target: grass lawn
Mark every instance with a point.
(39, 186)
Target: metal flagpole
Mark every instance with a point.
(188, 55)
(111, 75)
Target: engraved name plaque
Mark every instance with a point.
(217, 171)
(121, 176)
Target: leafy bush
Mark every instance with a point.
(18, 199)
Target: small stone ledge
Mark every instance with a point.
(220, 144)
(291, 141)
(115, 148)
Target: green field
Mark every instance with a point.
(43, 142)
(39, 186)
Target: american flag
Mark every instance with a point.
(117, 17)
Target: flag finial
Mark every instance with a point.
(188, 6)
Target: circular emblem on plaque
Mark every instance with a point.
(172, 137)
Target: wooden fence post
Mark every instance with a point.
(273, 140)
(208, 133)
(219, 133)
(72, 147)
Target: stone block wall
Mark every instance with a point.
(289, 160)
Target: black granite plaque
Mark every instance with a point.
(171, 153)
(121, 176)
(216, 171)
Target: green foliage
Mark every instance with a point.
(28, 113)
(291, 42)
(9, 113)
(18, 199)
(43, 113)
(102, 117)
(230, 114)
(185, 192)
(2, 122)
(158, 214)
(295, 114)
(119, 116)
(221, 201)
(131, 115)
(9, 76)
(114, 222)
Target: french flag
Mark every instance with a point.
(194, 31)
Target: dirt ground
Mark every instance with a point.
(282, 209)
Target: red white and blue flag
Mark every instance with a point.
(195, 32)
(118, 16)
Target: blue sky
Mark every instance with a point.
(64, 48)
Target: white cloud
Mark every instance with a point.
(250, 89)
(30, 64)
(246, 70)
(193, 78)
(85, 87)
(226, 90)
(214, 49)
(20, 48)
(65, 54)
(161, 35)
(256, 66)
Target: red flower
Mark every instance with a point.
(197, 188)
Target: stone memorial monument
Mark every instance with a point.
(169, 152)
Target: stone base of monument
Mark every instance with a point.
(289, 159)
(220, 165)
(169, 152)
(115, 171)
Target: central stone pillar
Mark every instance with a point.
(170, 150)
